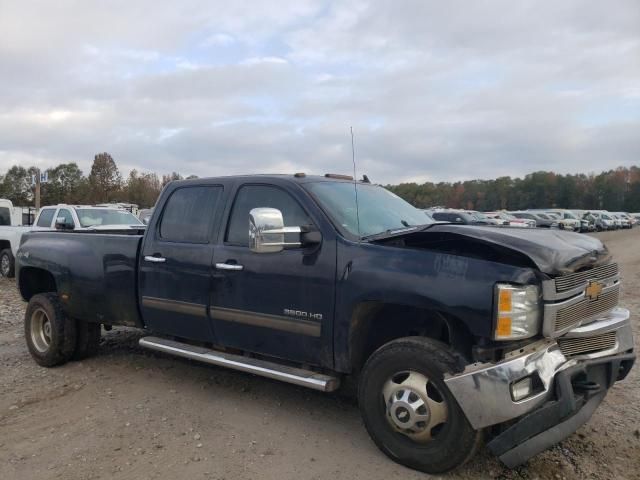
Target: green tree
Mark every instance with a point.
(16, 185)
(170, 178)
(64, 186)
(142, 189)
(104, 180)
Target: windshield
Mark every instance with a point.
(91, 217)
(379, 209)
(570, 215)
(542, 215)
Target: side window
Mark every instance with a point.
(45, 218)
(255, 196)
(66, 214)
(189, 213)
(5, 216)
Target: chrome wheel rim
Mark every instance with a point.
(40, 330)
(4, 265)
(414, 405)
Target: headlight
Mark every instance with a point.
(517, 311)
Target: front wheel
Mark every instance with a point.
(7, 263)
(408, 410)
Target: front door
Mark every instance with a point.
(278, 304)
(175, 264)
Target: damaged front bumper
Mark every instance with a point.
(570, 377)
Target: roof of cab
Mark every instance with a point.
(296, 177)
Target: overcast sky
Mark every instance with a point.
(435, 90)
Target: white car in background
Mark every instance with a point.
(566, 220)
(510, 220)
(481, 217)
(604, 221)
(11, 230)
(85, 217)
(59, 217)
(624, 218)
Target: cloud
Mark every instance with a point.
(434, 91)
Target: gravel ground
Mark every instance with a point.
(129, 413)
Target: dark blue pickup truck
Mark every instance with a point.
(454, 333)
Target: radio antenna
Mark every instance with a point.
(355, 183)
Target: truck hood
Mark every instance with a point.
(553, 252)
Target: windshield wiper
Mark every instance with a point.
(391, 231)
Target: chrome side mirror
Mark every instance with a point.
(61, 224)
(266, 231)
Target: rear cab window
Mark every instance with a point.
(189, 214)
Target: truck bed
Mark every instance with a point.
(96, 271)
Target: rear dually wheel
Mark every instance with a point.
(49, 332)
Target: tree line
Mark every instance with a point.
(68, 184)
(613, 190)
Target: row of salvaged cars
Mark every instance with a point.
(563, 219)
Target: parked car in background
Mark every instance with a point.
(625, 219)
(129, 207)
(484, 218)
(603, 221)
(11, 230)
(587, 216)
(85, 217)
(566, 219)
(456, 216)
(542, 220)
(617, 222)
(510, 220)
(60, 217)
(586, 224)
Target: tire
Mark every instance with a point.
(451, 443)
(87, 339)
(7, 263)
(52, 345)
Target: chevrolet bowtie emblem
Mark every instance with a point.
(593, 290)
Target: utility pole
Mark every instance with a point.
(36, 181)
(37, 190)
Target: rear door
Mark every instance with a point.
(175, 263)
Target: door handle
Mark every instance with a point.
(151, 258)
(228, 266)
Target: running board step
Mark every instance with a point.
(297, 376)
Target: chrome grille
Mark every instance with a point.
(583, 345)
(575, 280)
(586, 308)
